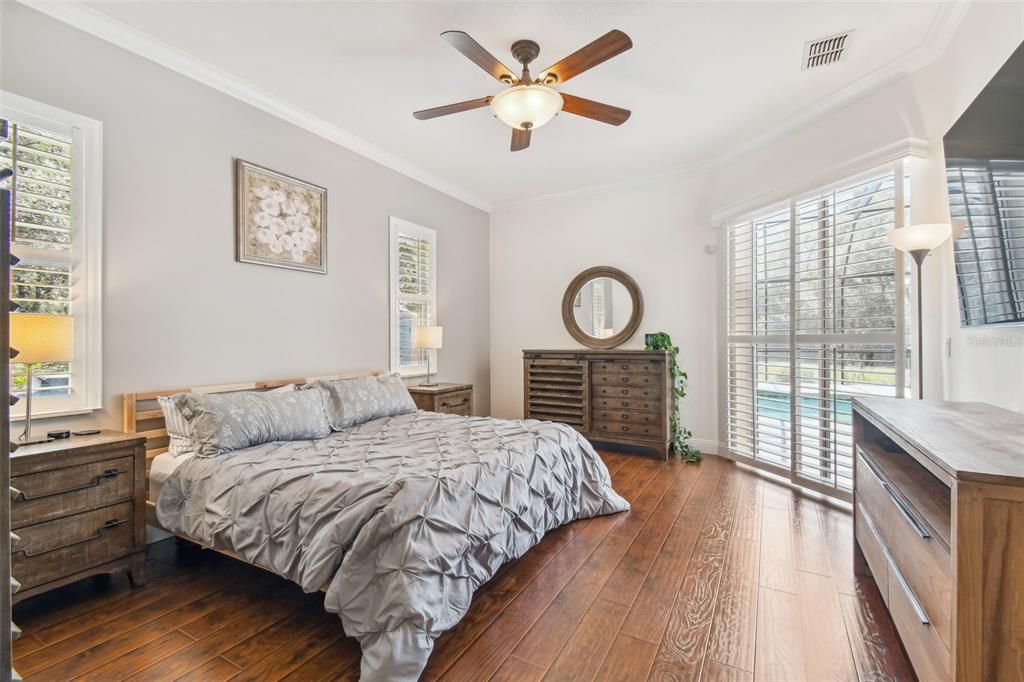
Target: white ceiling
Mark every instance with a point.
(703, 80)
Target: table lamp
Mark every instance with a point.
(428, 338)
(919, 241)
(39, 338)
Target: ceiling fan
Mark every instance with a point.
(529, 103)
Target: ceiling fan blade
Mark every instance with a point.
(605, 113)
(479, 56)
(520, 139)
(452, 108)
(612, 43)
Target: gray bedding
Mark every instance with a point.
(399, 519)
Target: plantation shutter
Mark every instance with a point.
(41, 282)
(813, 305)
(989, 197)
(414, 296)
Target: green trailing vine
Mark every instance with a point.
(680, 434)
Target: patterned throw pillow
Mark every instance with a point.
(354, 401)
(177, 426)
(222, 422)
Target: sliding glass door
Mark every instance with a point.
(814, 315)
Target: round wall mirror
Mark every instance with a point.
(602, 307)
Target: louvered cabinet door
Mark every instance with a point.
(557, 389)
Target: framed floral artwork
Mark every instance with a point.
(281, 221)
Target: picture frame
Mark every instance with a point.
(280, 220)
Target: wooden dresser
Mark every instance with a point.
(610, 396)
(445, 398)
(939, 523)
(79, 510)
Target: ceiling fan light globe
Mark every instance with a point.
(526, 107)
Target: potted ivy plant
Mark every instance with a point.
(680, 435)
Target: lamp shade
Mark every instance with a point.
(920, 237)
(42, 338)
(526, 106)
(427, 337)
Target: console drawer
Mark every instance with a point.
(871, 546)
(920, 638)
(922, 561)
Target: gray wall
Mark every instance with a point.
(177, 309)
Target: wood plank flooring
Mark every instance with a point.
(715, 574)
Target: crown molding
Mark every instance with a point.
(940, 32)
(678, 173)
(910, 147)
(105, 27)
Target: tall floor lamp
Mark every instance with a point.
(919, 241)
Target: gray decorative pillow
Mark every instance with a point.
(180, 442)
(222, 422)
(354, 401)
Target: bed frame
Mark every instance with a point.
(142, 415)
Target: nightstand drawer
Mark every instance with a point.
(455, 403)
(60, 492)
(52, 550)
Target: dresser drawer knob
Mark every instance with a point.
(625, 367)
(625, 380)
(112, 523)
(625, 403)
(625, 391)
(625, 416)
(107, 473)
(625, 428)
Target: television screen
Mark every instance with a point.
(985, 174)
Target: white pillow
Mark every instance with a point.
(177, 426)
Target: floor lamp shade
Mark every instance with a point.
(42, 338)
(919, 241)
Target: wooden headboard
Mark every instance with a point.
(142, 414)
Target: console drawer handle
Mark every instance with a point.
(108, 473)
(922, 615)
(112, 523)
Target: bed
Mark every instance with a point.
(398, 520)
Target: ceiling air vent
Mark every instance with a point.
(825, 51)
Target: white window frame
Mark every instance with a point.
(85, 256)
(792, 339)
(399, 226)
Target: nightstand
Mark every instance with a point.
(79, 510)
(446, 398)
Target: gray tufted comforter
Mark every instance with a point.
(399, 519)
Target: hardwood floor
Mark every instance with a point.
(715, 574)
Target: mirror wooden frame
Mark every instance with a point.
(569, 318)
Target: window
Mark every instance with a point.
(413, 294)
(989, 197)
(56, 235)
(814, 317)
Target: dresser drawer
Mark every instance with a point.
(634, 404)
(920, 638)
(922, 561)
(627, 417)
(631, 392)
(627, 366)
(55, 549)
(625, 379)
(51, 494)
(455, 403)
(627, 430)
